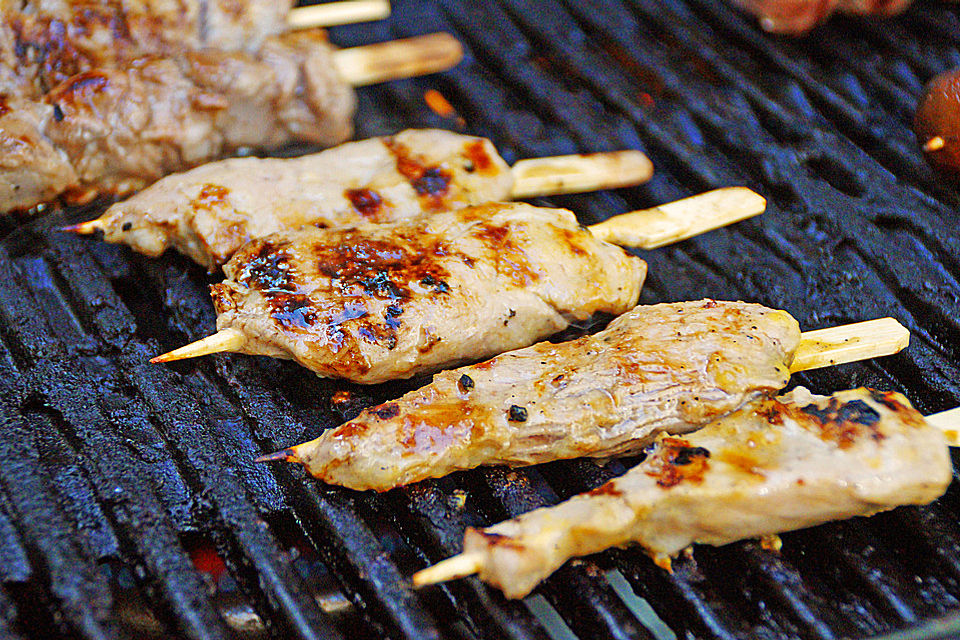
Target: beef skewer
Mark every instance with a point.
(209, 212)
(43, 44)
(115, 130)
(668, 367)
(776, 465)
(379, 302)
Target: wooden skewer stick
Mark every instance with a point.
(849, 343)
(466, 564)
(223, 341)
(680, 220)
(419, 56)
(578, 173)
(330, 14)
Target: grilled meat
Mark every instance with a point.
(209, 212)
(937, 121)
(44, 43)
(798, 16)
(384, 301)
(666, 367)
(116, 130)
(776, 465)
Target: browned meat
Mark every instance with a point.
(44, 43)
(380, 302)
(937, 121)
(667, 367)
(209, 212)
(798, 16)
(115, 131)
(775, 466)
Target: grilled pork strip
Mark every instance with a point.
(384, 301)
(209, 212)
(666, 367)
(43, 43)
(115, 131)
(776, 465)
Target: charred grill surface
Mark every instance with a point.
(111, 469)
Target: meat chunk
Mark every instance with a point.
(379, 302)
(798, 16)
(667, 367)
(44, 43)
(776, 465)
(121, 129)
(378, 180)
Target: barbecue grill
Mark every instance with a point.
(129, 502)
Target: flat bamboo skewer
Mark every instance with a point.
(557, 175)
(724, 206)
(330, 14)
(467, 564)
(406, 58)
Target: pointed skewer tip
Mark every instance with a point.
(225, 340)
(85, 228)
(284, 455)
(459, 566)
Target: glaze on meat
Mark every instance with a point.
(44, 43)
(667, 367)
(771, 467)
(379, 180)
(378, 302)
(115, 130)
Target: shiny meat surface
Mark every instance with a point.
(666, 367)
(798, 16)
(380, 302)
(777, 465)
(209, 212)
(119, 130)
(938, 115)
(44, 43)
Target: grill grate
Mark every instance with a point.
(115, 474)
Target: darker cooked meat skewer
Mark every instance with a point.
(44, 43)
(208, 212)
(776, 465)
(116, 130)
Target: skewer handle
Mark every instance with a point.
(419, 56)
(682, 219)
(849, 343)
(949, 423)
(330, 14)
(579, 173)
(459, 566)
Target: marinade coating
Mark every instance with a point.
(776, 465)
(114, 130)
(666, 367)
(209, 212)
(383, 301)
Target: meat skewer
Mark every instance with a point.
(379, 302)
(663, 368)
(776, 465)
(44, 43)
(209, 212)
(115, 130)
